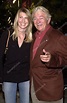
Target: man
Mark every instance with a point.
(48, 56)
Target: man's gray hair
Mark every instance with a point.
(46, 11)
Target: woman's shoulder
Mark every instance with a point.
(7, 32)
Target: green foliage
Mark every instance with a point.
(7, 13)
(57, 8)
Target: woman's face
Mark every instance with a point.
(40, 20)
(22, 21)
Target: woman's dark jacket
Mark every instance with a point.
(16, 66)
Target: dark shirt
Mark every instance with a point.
(16, 66)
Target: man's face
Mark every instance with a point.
(40, 20)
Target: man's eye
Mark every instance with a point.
(38, 18)
(41, 17)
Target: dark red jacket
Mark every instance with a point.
(47, 77)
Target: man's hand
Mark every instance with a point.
(46, 56)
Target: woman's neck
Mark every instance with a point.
(20, 39)
(21, 35)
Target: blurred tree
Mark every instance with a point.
(26, 3)
(8, 9)
(58, 10)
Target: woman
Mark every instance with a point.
(16, 66)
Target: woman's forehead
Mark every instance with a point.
(23, 14)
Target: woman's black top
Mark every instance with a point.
(17, 63)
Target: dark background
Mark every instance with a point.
(57, 8)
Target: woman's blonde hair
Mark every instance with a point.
(47, 14)
(28, 37)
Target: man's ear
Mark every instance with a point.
(49, 19)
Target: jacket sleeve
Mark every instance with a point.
(59, 57)
(3, 40)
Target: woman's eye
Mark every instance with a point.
(20, 17)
